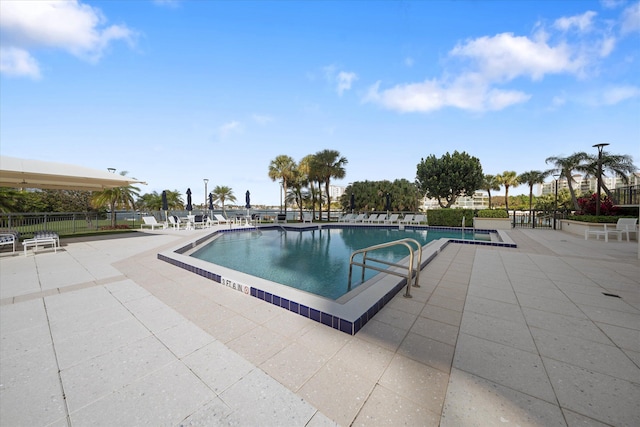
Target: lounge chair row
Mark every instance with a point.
(384, 219)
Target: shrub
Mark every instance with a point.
(493, 213)
(450, 217)
(588, 206)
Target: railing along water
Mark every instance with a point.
(410, 270)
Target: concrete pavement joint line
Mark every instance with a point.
(55, 354)
(56, 291)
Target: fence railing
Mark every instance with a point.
(538, 218)
(627, 196)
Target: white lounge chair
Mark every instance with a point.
(408, 219)
(623, 226)
(150, 221)
(222, 220)
(393, 218)
(358, 218)
(9, 238)
(372, 218)
(307, 217)
(175, 222)
(419, 219)
(42, 238)
(346, 218)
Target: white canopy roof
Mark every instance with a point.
(23, 173)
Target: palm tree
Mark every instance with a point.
(223, 193)
(118, 197)
(282, 168)
(532, 178)
(565, 167)
(305, 167)
(620, 165)
(330, 165)
(490, 182)
(508, 179)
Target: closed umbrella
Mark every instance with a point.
(165, 205)
(210, 201)
(189, 207)
(352, 202)
(247, 199)
(388, 203)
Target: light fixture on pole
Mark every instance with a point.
(555, 205)
(206, 181)
(599, 147)
(112, 170)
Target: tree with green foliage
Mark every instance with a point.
(565, 167)
(116, 198)
(370, 195)
(222, 193)
(281, 168)
(329, 164)
(449, 177)
(489, 183)
(508, 179)
(153, 201)
(532, 178)
(620, 165)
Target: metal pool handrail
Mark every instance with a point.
(410, 270)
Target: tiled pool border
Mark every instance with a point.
(350, 327)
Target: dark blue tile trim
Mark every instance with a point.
(328, 319)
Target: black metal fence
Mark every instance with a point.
(627, 196)
(537, 218)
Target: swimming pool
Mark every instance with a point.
(314, 260)
(350, 312)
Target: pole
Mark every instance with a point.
(555, 205)
(206, 181)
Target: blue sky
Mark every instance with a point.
(178, 91)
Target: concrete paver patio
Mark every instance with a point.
(103, 333)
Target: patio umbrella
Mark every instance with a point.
(189, 207)
(388, 203)
(210, 201)
(247, 199)
(352, 202)
(165, 205)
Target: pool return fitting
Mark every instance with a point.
(411, 272)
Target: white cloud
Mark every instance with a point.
(631, 19)
(228, 128)
(408, 61)
(582, 22)
(615, 95)
(262, 119)
(504, 57)
(18, 62)
(67, 25)
(345, 79)
(341, 79)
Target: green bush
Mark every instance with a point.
(493, 213)
(450, 217)
(602, 219)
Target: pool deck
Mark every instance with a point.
(104, 333)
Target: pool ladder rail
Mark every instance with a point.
(409, 275)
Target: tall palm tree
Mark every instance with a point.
(565, 167)
(330, 165)
(281, 168)
(621, 165)
(305, 167)
(118, 197)
(532, 178)
(508, 179)
(490, 182)
(223, 193)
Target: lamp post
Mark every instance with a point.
(555, 205)
(112, 170)
(206, 181)
(599, 147)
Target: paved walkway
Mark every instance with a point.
(102, 333)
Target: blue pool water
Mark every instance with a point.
(315, 261)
